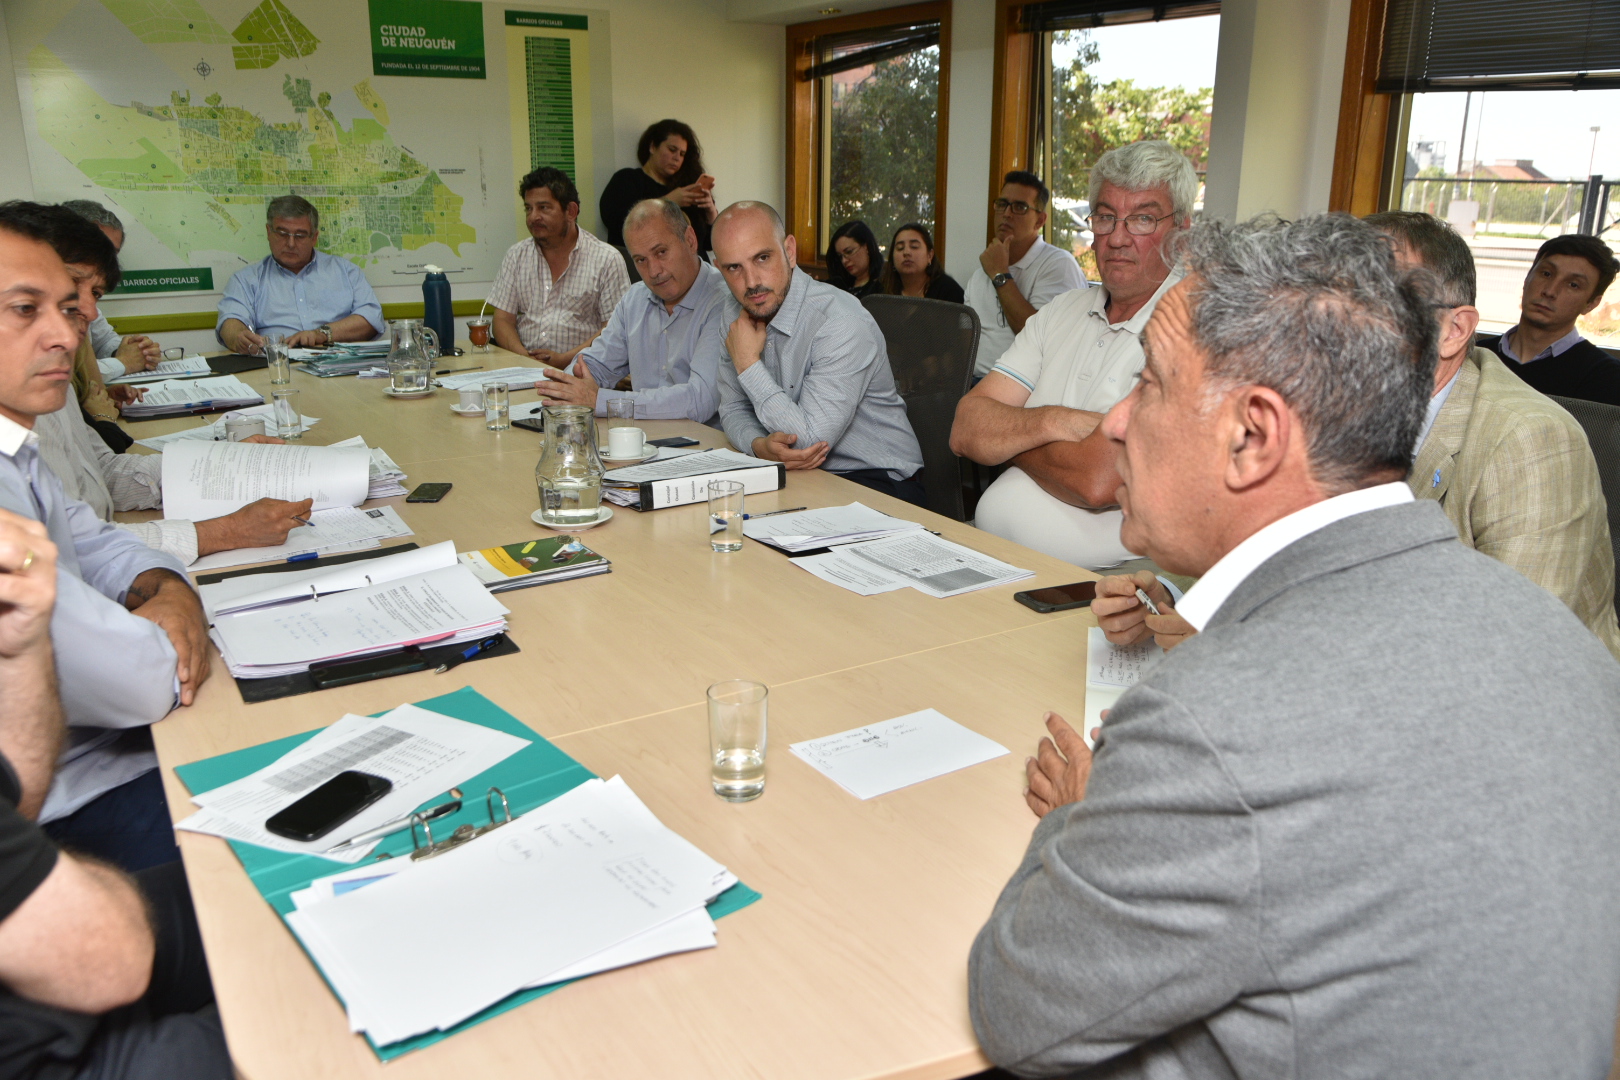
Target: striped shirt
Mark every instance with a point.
(564, 314)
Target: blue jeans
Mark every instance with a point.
(128, 826)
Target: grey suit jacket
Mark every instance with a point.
(1364, 825)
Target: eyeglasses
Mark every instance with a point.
(1019, 208)
(1135, 224)
(299, 236)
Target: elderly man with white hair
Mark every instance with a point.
(1039, 407)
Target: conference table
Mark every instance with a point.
(854, 962)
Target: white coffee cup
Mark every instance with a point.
(625, 442)
(472, 397)
(239, 427)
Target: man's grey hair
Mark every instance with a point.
(1318, 311)
(661, 210)
(748, 206)
(94, 211)
(293, 207)
(1144, 165)
(1438, 248)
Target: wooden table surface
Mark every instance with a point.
(854, 963)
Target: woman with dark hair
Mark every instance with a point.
(854, 260)
(913, 269)
(671, 168)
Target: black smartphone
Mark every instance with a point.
(328, 806)
(531, 423)
(326, 674)
(1059, 597)
(673, 440)
(428, 493)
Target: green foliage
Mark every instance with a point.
(884, 140)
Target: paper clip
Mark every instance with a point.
(464, 833)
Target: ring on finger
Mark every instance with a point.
(28, 560)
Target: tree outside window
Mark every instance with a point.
(884, 137)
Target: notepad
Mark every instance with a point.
(1110, 671)
(873, 760)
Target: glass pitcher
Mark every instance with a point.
(412, 348)
(569, 474)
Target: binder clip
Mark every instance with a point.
(464, 833)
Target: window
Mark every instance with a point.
(867, 130)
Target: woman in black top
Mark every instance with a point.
(854, 260)
(913, 270)
(671, 168)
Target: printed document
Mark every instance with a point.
(917, 558)
(166, 369)
(188, 395)
(880, 758)
(264, 590)
(708, 461)
(214, 430)
(1110, 671)
(825, 527)
(515, 378)
(330, 532)
(203, 480)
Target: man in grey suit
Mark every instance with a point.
(1364, 824)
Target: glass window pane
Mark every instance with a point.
(884, 138)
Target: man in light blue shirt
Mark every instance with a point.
(666, 333)
(116, 354)
(309, 296)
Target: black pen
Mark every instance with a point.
(453, 370)
(773, 513)
(468, 653)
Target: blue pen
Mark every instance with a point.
(303, 556)
(468, 653)
(773, 513)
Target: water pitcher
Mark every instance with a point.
(570, 471)
(412, 348)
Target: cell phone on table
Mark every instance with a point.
(1059, 597)
(673, 440)
(328, 806)
(429, 492)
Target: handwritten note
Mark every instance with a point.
(880, 758)
(1117, 665)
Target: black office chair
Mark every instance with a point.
(629, 263)
(1602, 424)
(932, 345)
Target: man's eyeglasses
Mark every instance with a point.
(1135, 224)
(299, 236)
(1019, 208)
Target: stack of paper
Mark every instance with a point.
(590, 881)
(422, 753)
(917, 558)
(533, 562)
(681, 479)
(515, 378)
(387, 478)
(166, 369)
(1110, 671)
(343, 358)
(203, 480)
(176, 397)
(329, 532)
(440, 607)
(825, 527)
(214, 430)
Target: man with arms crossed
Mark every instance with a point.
(1019, 273)
(555, 291)
(805, 377)
(666, 332)
(1362, 825)
(128, 626)
(308, 296)
(1567, 280)
(1039, 406)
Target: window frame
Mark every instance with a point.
(809, 166)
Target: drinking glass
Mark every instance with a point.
(478, 333)
(284, 408)
(726, 515)
(621, 412)
(497, 406)
(276, 355)
(737, 739)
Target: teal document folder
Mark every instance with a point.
(529, 778)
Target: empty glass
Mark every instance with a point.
(726, 515)
(497, 407)
(277, 356)
(737, 733)
(284, 409)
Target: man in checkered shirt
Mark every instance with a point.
(554, 292)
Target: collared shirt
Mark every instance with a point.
(564, 314)
(105, 340)
(114, 669)
(672, 357)
(1557, 348)
(1436, 403)
(1042, 275)
(270, 299)
(1205, 598)
(824, 377)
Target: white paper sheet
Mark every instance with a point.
(331, 532)
(203, 480)
(928, 563)
(262, 590)
(515, 378)
(183, 395)
(708, 461)
(1110, 671)
(825, 526)
(213, 429)
(166, 369)
(850, 574)
(879, 758)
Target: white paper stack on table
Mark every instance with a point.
(422, 753)
(1110, 671)
(329, 532)
(590, 881)
(387, 478)
(166, 369)
(273, 588)
(825, 527)
(440, 607)
(918, 558)
(176, 396)
(213, 430)
(203, 480)
(515, 378)
(880, 758)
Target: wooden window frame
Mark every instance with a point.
(807, 163)
(1017, 52)
(1372, 125)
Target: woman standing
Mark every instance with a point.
(671, 168)
(913, 270)
(854, 260)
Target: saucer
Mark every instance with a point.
(648, 450)
(391, 392)
(462, 410)
(602, 514)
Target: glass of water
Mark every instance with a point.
(278, 359)
(497, 406)
(737, 739)
(284, 408)
(726, 515)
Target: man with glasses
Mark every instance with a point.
(1038, 408)
(1019, 273)
(310, 297)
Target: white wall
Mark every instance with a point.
(15, 180)
(967, 183)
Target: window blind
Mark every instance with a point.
(1082, 14)
(846, 52)
(1500, 45)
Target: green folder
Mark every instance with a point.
(529, 778)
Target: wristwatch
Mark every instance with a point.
(999, 280)
(326, 328)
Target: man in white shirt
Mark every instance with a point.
(1039, 406)
(1019, 273)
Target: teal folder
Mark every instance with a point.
(531, 777)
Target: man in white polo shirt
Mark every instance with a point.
(1039, 407)
(1019, 273)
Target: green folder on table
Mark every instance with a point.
(529, 778)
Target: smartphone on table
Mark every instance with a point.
(328, 806)
(1059, 597)
(429, 492)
